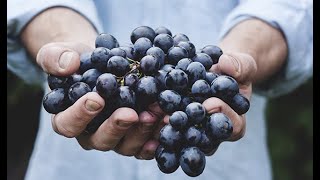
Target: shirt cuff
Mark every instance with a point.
(295, 21)
(18, 60)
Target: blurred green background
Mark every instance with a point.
(289, 121)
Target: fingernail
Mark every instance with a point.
(233, 61)
(92, 106)
(65, 59)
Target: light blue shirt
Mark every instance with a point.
(205, 22)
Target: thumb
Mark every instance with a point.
(61, 58)
(240, 66)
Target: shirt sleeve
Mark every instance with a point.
(294, 19)
(20, 13)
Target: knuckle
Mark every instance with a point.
(102, 146)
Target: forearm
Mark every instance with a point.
(57, 25)
(263, 42)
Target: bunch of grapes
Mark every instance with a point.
(156, 67)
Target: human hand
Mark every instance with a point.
(124, 131)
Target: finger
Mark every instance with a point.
(111, 131)
(161, 124)
(73, 121)
(240, 66)
(148, 150)
(214, 105)
(137, 136)
(61, 59)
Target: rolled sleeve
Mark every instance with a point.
(294, 19)
(20, 13)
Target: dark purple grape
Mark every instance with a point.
(126, 97)
(85, 62)
(175, 54)
(192, 136)
(107, 41)
(149, 65)
(164, 42)
(169, 101)
(196, 113)
(177, 80)
(131, 80)
(55, 82)
(213, 51)
(147, 90)
(158, 53)
(107, 85)
(189, 47)
(95, 123)
(204, 59)
(185, 101)
(77, 90)
(141, 46)
(195, 71)
(207, 146)
(129, 51)
(90, 77)
(239, 104)
(192, 161)
(73, 79)
(210, 76)
(100, 57)
(160, 76)
(162, 30)
(118, 66)
(56, 101)
(170, 138)
(219, 127)
(179, 37)
(224, 87)
(167, 161)
(200, 90)
(179, 120)
(167, 67)
(118, 52)
(183, 64)
(142, 31)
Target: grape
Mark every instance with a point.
(85, 62)
(195, 71)
(169, 101)
(196, 112)
(170, 138)
(129, 51)
(185, 101)
(164, 42)
(189, 47)
(177, 80)
(167, 67)
(157, 53)
(100, 57)
(219, 127)
(210, 76)
(239, 104)
(107, 85)
(149, 65)
(131, 80)
(162, 30)
(160, 76)
(73, 79)
(175, 54)
(179, 37)
(90, 77)
(56, 101)
(183, 64)
(118, 52)
(192, 136)
(167, 161)
(77, 90)
(118, 66)
(192, 161)
(95, 123)
(142, 31)
(126, 97)
(141, 46)
(179, 120)
(224, 87)
(207, 146)
(107, 41)
(147, 90)
(201, 90)
(204, 59)
(56, 81)
(213, 51)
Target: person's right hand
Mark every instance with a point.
(124, 131)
